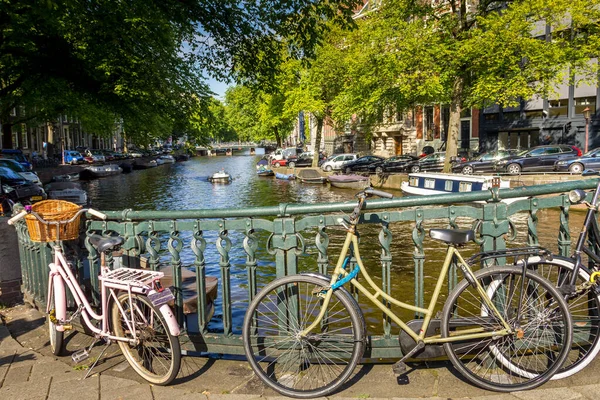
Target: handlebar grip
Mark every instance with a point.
(97, 214)
(379, 193)
(17, 217)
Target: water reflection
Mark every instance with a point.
(184, 186)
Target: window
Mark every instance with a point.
(429, 183)
(465, 186)
(429, 126)
(448, 186)
(558, 107)
(413, 181)
(583, 102)
(511, 116)
(491, 117)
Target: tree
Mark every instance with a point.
(145, 60)
(465, 54)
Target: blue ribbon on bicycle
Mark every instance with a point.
(348, 277)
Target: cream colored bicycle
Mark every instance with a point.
(304, 334)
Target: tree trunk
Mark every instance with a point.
(277, 136)
(7, 134)
(454, 123)
(317, 148)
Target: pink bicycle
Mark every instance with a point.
(134, 310)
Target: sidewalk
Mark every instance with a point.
(29, 371)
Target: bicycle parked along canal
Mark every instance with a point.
(504, 328)
(134, 310)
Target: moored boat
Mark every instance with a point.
(311, 176)
(68, 191)
(220, 177)
(421, 184)
(99, 171)
(286, 177)
(167, 159)
(144, 164)
(66, 177)
(351, 181)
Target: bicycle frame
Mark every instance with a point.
(452, 252)
(59, 269)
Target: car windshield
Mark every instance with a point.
(592, 152)
(9, 174)
(13, 165)
(15, 156)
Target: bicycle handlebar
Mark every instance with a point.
(28, 210)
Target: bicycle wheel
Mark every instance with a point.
(537, 314)
(157, 355)
(56, 336)
(303, 366)
(584, 308)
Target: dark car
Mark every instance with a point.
(17, 155)
(576, 165)
(17, 189)
(304, 160)
(432, 162)
(394, 164)
(362, 164)
(540, 158)
(484, 162)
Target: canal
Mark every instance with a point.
(184, 186)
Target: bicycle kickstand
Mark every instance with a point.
(97, 359)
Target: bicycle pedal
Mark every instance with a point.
(399, 368)
(80, 355)
(67, 327)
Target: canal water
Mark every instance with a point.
(184, 186)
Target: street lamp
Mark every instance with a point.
(586, 115)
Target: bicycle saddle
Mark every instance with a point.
(103, 244)
(454, 236)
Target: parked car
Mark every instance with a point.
(109, 155)
(362, 164)
(96, 156)
(13, 165)
(394, 164)
(135, 154)
(304, 160)
(484, 162)
(540, 158)
(576, 165)
(336, 161)
(432, 162)
(17, 189)
(17, 155)
(279, 163)
(73, 157)
(280, 154)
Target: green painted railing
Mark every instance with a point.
(247, 247)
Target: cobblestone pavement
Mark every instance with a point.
(28, 370)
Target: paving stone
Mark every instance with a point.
(59, 371)
(173, 392)
(558, 393)
(111, 383)
(503, 396)
(17, 375)
(32, 390)
(132, 392)
(236, 396)
(591, 392)
(6, 357)
(78, 389)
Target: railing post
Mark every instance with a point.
(385, 240)
(322, 243)
(198, 246)
(175, 245)
(532, 235)
(564, 236)
(223, 247)
(418, 235)
(493, 228)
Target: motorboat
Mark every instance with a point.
(66, 177)
(311, 176)
(351, 181)
(286, 177)
(68, 191)
(159, 161)
(262, 168)
(220, 177)
(99, 171)
(167, 159)
(144, 164)
(422, 184)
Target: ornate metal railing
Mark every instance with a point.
(245, 248)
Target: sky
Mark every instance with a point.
(218, 87)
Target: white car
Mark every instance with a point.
(336, 161)
(30, 177)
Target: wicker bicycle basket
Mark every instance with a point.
(53, 211)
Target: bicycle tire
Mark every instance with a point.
(584, 309)
(57, 338)
(541, 339)
(306, 367)
(157, 356)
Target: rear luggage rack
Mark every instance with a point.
(519, 253)
(132, 276)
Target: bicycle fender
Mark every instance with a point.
(60, 298)
(169, 317)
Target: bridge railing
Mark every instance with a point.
(246, 248)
